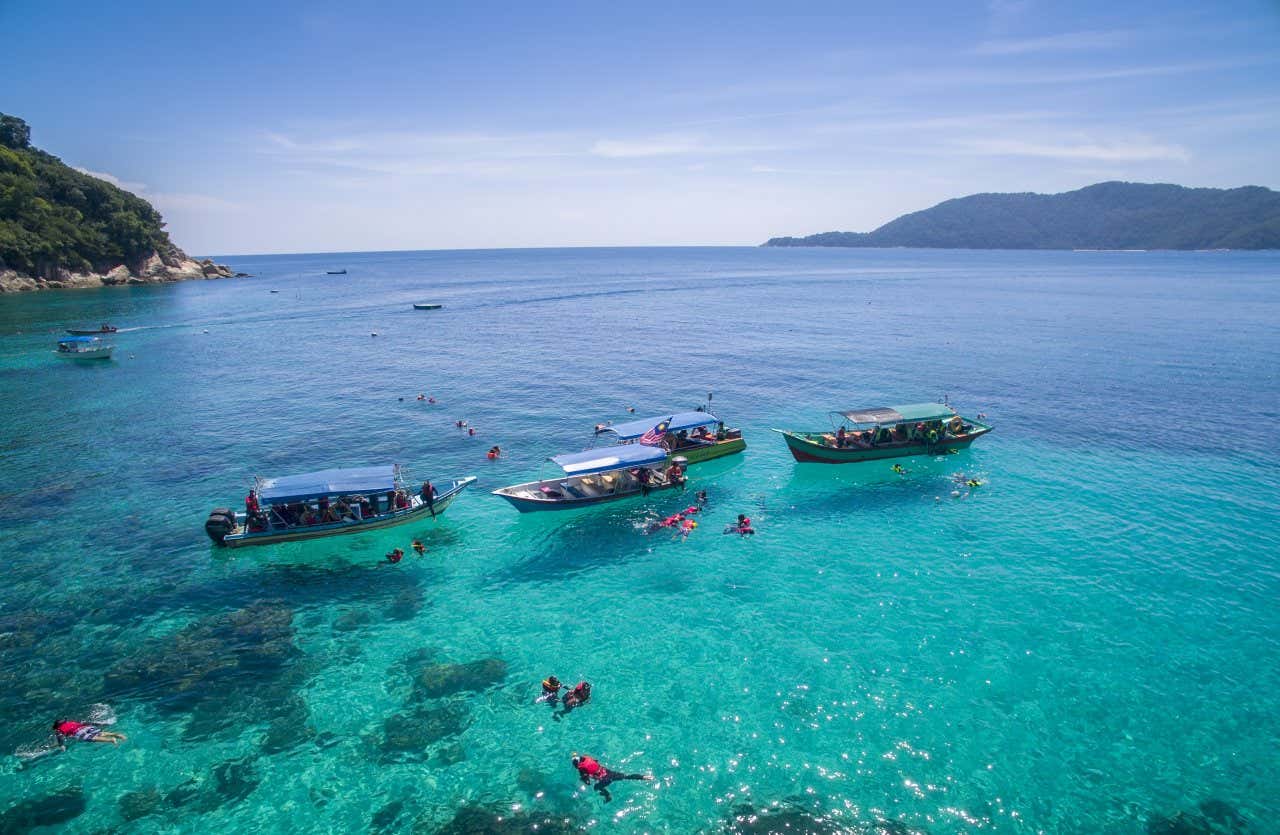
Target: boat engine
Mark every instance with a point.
(221, 521)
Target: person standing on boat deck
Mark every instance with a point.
(721, 432)
(251, 505)
(642, 476)
(429, 497)
(840, 437)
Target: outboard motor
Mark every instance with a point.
(221, 522)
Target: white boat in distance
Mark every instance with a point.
(84, 348)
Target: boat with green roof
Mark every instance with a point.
(886, 432)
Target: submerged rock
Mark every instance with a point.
(236, 779)
(781, 820)
(1213, 817)
(47, 810)
(409, 736)
(388, 818)
(139, 804)
(406, 604)
(437, 680)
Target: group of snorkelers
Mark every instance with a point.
(589, 769)
(397, 554)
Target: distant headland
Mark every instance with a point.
(1110, 215)
(60, 227)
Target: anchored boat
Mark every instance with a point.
(426, 306)
(696, 436)
(84, 332)
(84, 348)
(890, 432)
(327, 503)
(598, 475)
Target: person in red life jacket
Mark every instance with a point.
(65, 729)
(743, 526)
(395, 556)
(419, 548)
(578, 696)
(589, 769)
(675, 475)
(550, 690)
(251, 505)
(494, 452)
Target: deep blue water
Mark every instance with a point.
(1088, 642)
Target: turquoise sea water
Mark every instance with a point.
(1089, 642)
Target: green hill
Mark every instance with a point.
(52, 216)
(1104, 216)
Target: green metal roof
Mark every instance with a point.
(914, 412)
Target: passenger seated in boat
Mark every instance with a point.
(841, 438)
(644, 476)
(310, 517)
(675, 475)
(402, 501)
(367, 508)
(331, 514)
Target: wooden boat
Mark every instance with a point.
(84, 348)
(427, 306)
(595, 476)
(697, 436)
(892, 432)
(335, 272)
(358, 499)
(94, 332)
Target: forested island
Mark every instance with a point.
(60, 227)
(1110, 215)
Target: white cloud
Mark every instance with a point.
(669, 145)
(1123, 151)
(135, 188)
(1050, 43)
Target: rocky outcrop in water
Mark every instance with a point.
(45, 811)
(153, 270)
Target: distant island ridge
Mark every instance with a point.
(63, 228)
(1112, 215)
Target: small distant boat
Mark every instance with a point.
(687, 434)
(84, 348)
(95, 332)
(595, 476)
(273, 291)
(886, 432)
(336, 272)
(426, 306)
(327, 503)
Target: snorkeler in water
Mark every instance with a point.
(590, 769)
(395, 555)
(898, 468)
(66, 729)
(550, 690)
(742, 526)
(973, 482)
(419, 548)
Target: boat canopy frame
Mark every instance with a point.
(892, 415)
(344, 481)
(609, 458)
(676, 421)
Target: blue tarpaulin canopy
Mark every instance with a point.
(610, 458)
(633, 429)
(343, 482)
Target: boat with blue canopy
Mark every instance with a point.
(598, 475)
(886, 432)
(84, 348)
(697, 436)
(328, 503)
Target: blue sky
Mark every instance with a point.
(286, 127)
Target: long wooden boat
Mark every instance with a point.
(355, 499)
(889, 432)
(427, 306)
(95, 332)
(84, 348)
(595, 476)
(696, 436)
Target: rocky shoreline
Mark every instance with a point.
(154, 270)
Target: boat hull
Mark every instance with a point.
(805, 449)
(534, 504)
(417, 512)
(427, 306)
(85, 356)
(697, 454)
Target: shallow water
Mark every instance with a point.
(1087, 642)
